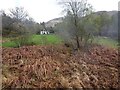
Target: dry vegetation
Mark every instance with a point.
(59, 67)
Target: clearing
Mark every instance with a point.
(54, 39)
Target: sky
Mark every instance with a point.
(45, 10)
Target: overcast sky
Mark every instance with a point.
(45, 10)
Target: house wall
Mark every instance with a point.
(44, 32)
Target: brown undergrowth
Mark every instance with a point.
(57, 67)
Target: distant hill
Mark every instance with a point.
(109, 31)
(52, 22)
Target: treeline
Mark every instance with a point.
(18, 22)
(19, 27)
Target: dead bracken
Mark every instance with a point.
(56, 67)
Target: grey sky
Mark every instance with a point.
(45, 10)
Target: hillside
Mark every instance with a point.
(109, 31)
(112, 29)
(52, 22)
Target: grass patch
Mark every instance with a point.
(45, 39)
(9, 44)
(54, 39)
(106, 42)
(35, 40)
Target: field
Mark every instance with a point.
(35, 39)
(53, 39)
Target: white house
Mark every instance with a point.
(44, 32)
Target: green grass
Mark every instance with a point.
(9, 44)
(54, 39)
(36, 40)
(46, 39)
(106, 42)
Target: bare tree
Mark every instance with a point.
(18, 13)
(76, 9)
(19, 31)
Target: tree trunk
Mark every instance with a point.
(100, 33)
(77, 41)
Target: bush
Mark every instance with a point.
(21, 40)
